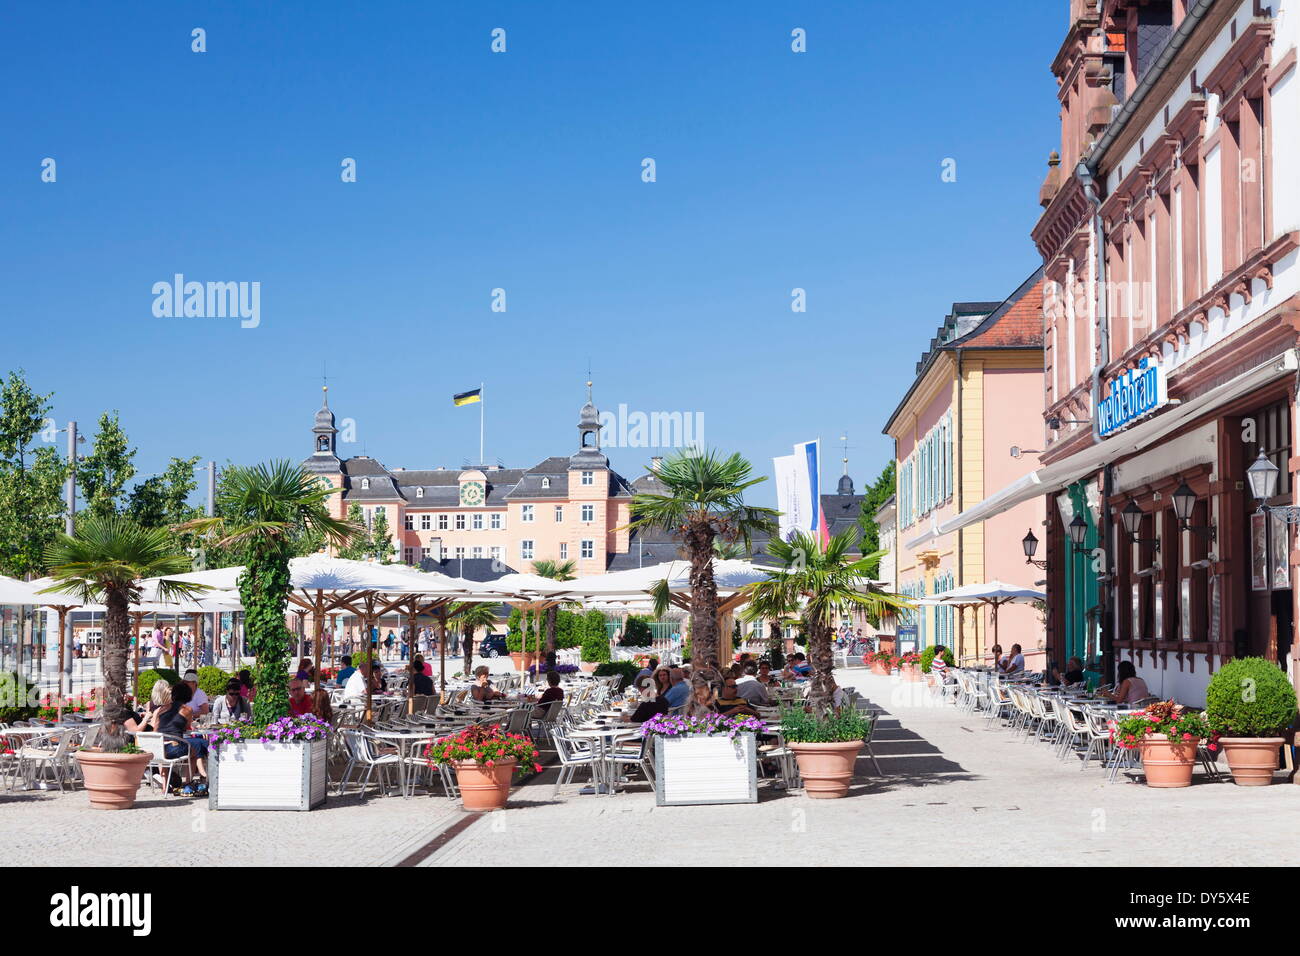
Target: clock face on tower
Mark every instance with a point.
(471, 493)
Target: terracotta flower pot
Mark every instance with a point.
(910, 672)
(588, 667)
(827, 769)
(1168, 764)
(112, 779)
(481, 787)
(880, 669)
(1252, 759)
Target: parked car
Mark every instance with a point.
(494, 645)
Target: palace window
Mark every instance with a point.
(526, 549)
(526, 514)
(588, 513)
(460, 522)
(925, 479)
(409, 522)
(442, 522)
(546, 482)
(564, 550)
(588, 478)
(419, 492)
(559, 513)
(424, 522)
(494, 521)
(365, 484)
(408, 555)
(476, 552)
(476, 523)
(460, 552)
(588, 548)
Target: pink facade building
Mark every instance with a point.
(976, 395)
(487, 518)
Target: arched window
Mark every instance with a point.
(419, 492)
(546, 482)
(323, 443)
(365, 484)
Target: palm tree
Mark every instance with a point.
(824, 581)
(470, 616)
(556, 571)
(105, 563)
(263, 511)
(705, 502)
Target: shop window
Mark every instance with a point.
(1272, 434)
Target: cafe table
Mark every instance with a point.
(405, 740)
(603, 740)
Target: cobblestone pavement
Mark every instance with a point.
(954, 790)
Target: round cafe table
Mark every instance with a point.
(404, 739)
(603, 740)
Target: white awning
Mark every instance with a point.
(1062, 474)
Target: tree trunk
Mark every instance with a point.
(822, 661)
(117, 638)
(704, 596)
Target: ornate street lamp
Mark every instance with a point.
(1131, 518)
(1184, 503)
(1263, 475)
(1030, 544)
(1078, 534)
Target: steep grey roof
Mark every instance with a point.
(471, 569)
(841, 511)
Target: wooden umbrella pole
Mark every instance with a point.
(318, 630)
(442, 649)
(135, 677)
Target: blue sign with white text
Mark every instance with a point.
(1136, 393)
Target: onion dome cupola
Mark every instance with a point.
(324, 456)
(589, 454)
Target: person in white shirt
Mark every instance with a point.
(199, 702)
(749, 687)
(1015, 661)
(355, 688)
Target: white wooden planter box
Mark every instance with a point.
(702, 769)
(262, 775)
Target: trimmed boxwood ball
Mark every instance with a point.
(1250, 697)
(213, 681)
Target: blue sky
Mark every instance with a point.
(520, 171)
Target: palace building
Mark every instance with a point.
(566, 508)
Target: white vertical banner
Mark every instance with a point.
(787, 494)
(798, 491)
(808, 460)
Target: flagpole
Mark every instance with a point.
(481, 460)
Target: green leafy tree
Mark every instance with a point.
(704, 501)
(824, 581)
(31, 481)
(103, 474)
(162, 501)
(381, 539)
(264, 511)
(105, 563)
(467, 617)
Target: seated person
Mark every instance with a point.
(421, 683)
(750, 687)
(1131, 688)
(160, 698)
(306, 671)
(652, 703)
(483, 691)
(175, 722)
(355, 688)
(247, 690)
(299, 702)
(765, 675)
(320, 705)
(939, 665)
(729, 703)
(346, 671)
(232, 706)
(679, 691)
(1074, 672)
(700, 703)
(553, 691)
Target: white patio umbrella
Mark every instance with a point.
(991, 594)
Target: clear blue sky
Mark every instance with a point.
(519, 170)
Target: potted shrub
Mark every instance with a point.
(1250, 703)
(825, 748)
(484, 759)
(909, 666)
(880, 662)
(275, 766)
(702, 760)
(113, 770)
(1167, 734)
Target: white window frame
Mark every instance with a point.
(459, 523)
(494, 521)
(564, 550)
(588, 514)
(526, 549)
(588, 478)
(476, 522)
(587, 548)
(424, 522)
(526, 514)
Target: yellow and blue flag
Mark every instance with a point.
(468, 398)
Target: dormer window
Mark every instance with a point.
(546, 482)
(365, 484)
(419, 492)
